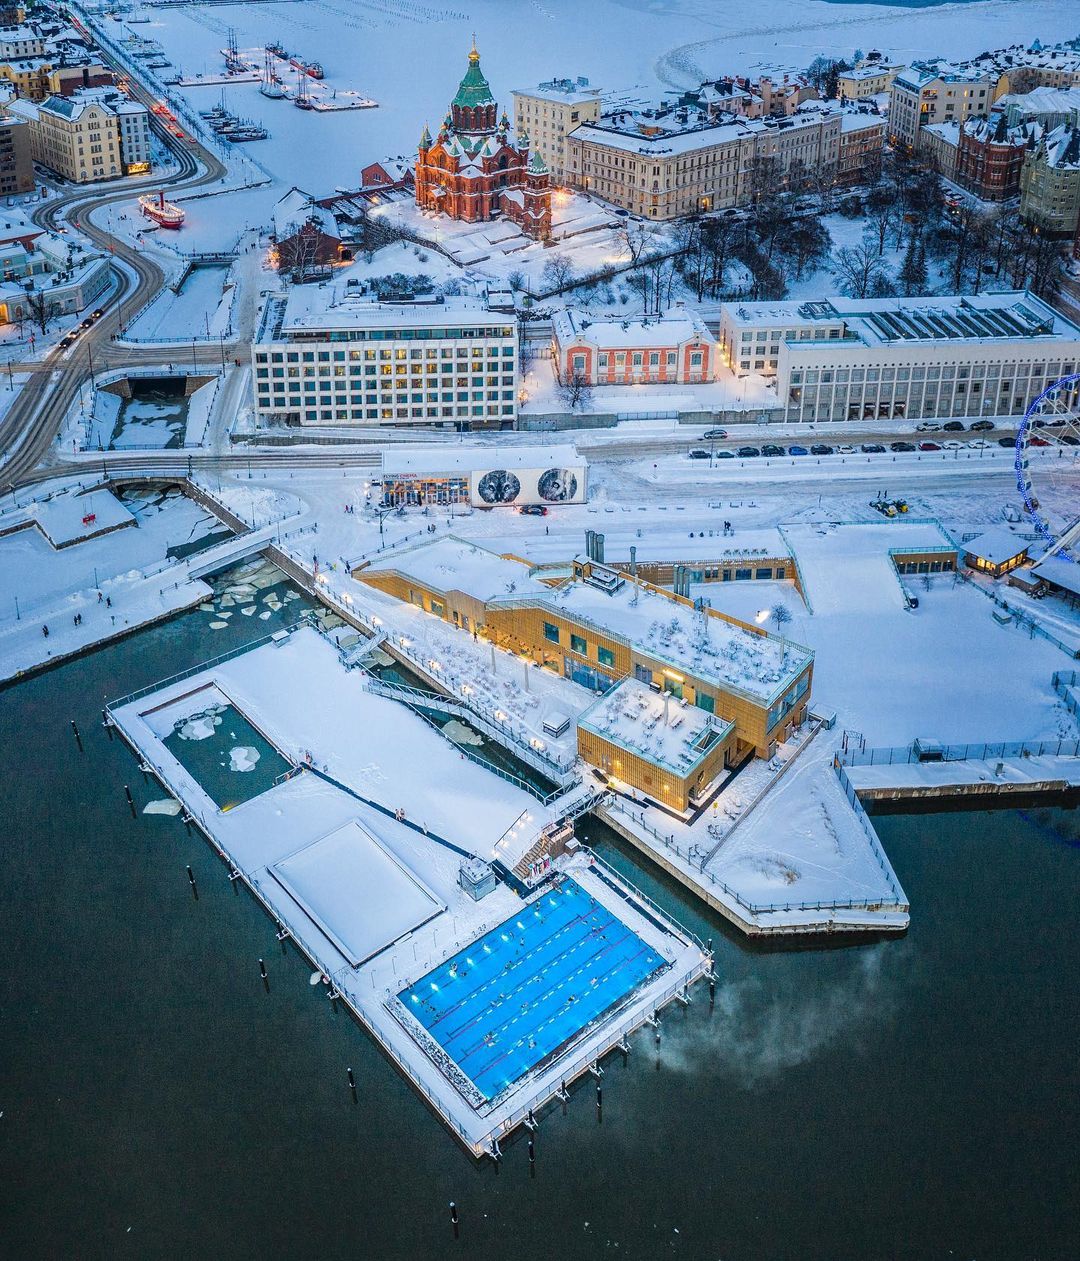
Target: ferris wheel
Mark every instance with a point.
(1048, 466)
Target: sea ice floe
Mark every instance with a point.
(247, 612)
(199, 726)
(460, 734)
(166, 805)
(243, 758)
(218, 625)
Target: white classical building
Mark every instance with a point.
(329, 355)
(845, 359)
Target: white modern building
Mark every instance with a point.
(844, 359)
(328, 355)
(484, 476)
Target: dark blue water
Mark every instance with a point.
(913, 1098)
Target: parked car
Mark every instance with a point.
(953, 426)
(981, 424)
(1037, 442)
(533, 510)
(929, 446)
(979, 442)
(952, 445)
(700, 453)
(1070, 440)
(797, 451)
(715, 433)
(747, 453)
(873, 448)
(771, 449)
(927, 426)
(1006, 442)
(821, 448)
(725, 455)
(846, 450)
(901, 446)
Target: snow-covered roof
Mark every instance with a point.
(723, 653)
(332, 306)
(563, 91)
(468, 459)
(1061, 571)
(664, 143)
(997, 546)
(672, 328)
(852, 120)
(654, 726)
(1011, 315)
(453, 564)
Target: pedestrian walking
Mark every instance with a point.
(100, 597)
(45, 631)
(108, 601)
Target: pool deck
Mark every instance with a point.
(255, 837)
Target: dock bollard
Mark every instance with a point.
(191, 881)
(78, 738)
(352, 1085)
(262, 972)
(454, 1220)
(131, 804)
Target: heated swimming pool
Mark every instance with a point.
(516, 996)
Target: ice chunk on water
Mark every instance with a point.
(165, 806)
(243, 758)
(218, 625)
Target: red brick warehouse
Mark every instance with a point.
(474, 173)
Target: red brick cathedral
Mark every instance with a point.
(474, 172)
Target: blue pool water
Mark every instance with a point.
(513, 997)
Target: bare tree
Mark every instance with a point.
(558, 273)
(575, 391)
(859, 268)
(40, 308)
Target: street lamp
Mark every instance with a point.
(194, 361)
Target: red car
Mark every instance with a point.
(1036, 441)
(929, 446)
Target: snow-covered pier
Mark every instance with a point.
(354, 824)
(1011, 771)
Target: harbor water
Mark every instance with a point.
(904, 1098)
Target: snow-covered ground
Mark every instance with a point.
(201, 309)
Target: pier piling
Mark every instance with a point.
(352, 1085)
(191, 881)
(599, 1103)
(262, 972)
(78, 738)
(532, 1157)
(454, 1218)
(131, 804)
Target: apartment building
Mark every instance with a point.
(675, 347)
(1050, 107)
(94, 134)
(662, 164)
(922, 96)
(868, 78)
(16, 162)
(1050, 182)
(600, 626)
(741, 97)
(862, 138)
(329, 355)
(548, 113)
(983, 155)
(933, 357)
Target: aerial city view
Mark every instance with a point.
(540, 629)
